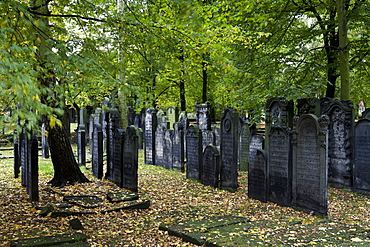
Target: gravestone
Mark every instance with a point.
(160, 118)
(178, 147)
(33, 171)
(137, 121)
(280, 166)
(208, 138)
(229, 150)
(361, 172)
(167, 149)
(308, 106)
(117, 162)
(217, 131)
(130, 160)
(310, 165)
(244, 139)
(211, 166)
(149, 136)
(194, 149)
(131, 114)
(341, 115)
(17, 164)
(97, 154)
(81, 138)
(366, 113)
(279, 112)
(183, 119)
(256, 142)
(257, 177)
(159, 146)
(25, 156)
(91, 131)
(140, 136)
(112, 125)
(204, 116)
(172, 115)
(44, 141)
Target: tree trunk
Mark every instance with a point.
(66, 170)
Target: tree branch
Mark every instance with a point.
(67, 16)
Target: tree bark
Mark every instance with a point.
(66, 169)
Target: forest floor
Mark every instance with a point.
(174, 199)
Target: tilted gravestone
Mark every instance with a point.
(361, 172)
(310, 164)
(257, 177)
(159, 146)
(279, 166)
(308, 106)
(149, 136)
(341, 114)
(117, 162)
(167, 149)
(204, 116)
(178, 147)
(130, 160)
(256, 142)
(229, 149)
(244, 140)
(211, 166)
(208, 138)
(112, 125)
(194, 149)
(172, 115)
(97, 154)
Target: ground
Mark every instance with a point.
(174, 199)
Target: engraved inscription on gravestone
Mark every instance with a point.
(361, 171)
(194, 166)
(204, 116)
(257, 178)
(117, 162)
(280, 166)
(211, 166)
(178, 147)
(167, 155)
(159, 146)
(310, 180)
(149, 136)
(244, 139)
(256, 142)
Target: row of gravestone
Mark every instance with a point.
(26, 162)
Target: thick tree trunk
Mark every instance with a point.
(66, 170)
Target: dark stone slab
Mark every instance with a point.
(211, 166)
(140, 205)
(122, 196)
(130, 160)
(280, 166)
(76, 224)
(361, 172)
(117, 161)
(17, 163)
(308, 106)
(33, 172)
(167, 150)
(194, 163)
(257, 177)
(208, 138)
(256, 142)
(112, 125)
(54, 240)
(341, 115)
(310, 165)
(159, 146)
(279, 112)
(178, 148)
(97, 152)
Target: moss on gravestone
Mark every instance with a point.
(54, 240)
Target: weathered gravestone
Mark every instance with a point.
(140, 136)
(112, 125)
(172, 115)
(183, 119)
(257, 177)
(117, 162)
(97, 153)
(167, 149)
(229, 149)
(204, 116)
(308, 106)
(149, 136)
(279, 166)
(310, 165)
(256, 142)
(17, 163)
(33, 171)
(217, 131)
(159, 146)
(25, 151)
(130, 160)
(161, 120)
(279, 112)
(208, 138)
(341, 116)
(361, 172)
(194, 149)
(211, 166)
(81, 138)
(178, 147)
(244, 139)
